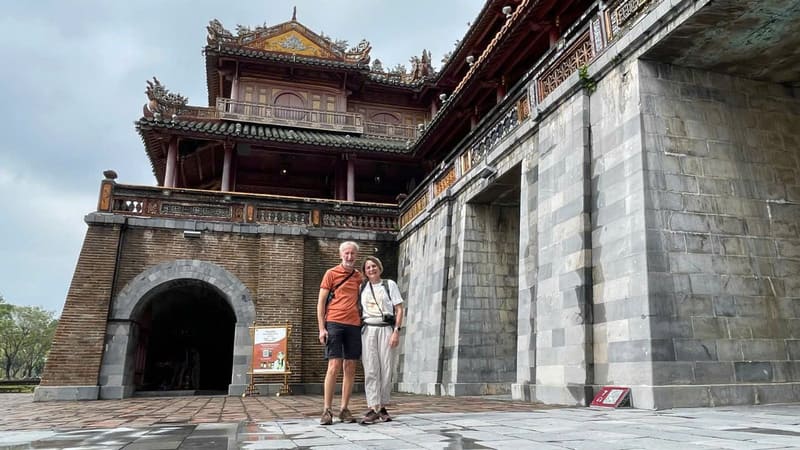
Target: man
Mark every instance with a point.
(340, 329)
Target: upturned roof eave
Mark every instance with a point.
(247, 132)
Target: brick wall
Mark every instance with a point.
(74, 358)
(282, 271)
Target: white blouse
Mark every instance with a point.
(374, 307)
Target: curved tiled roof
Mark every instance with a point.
(283, 57)
(315, 62)
(480, 64)
(256, 132)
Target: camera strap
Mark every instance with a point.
(375, 299)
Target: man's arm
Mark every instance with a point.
(323, 333)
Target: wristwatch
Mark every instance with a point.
(397, 329)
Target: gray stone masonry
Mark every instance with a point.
(486, 351)
(722, 191)
(423, 271)
(527, 270)
(563, 298)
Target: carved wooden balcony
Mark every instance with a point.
(245, 209)
(390, 131)
(289, 117)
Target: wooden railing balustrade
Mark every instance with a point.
(230, 109)
(390, 131)
(231, 207)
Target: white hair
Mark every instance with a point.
(346, 244)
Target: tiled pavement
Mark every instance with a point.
(420, 422)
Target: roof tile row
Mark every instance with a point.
(277, 134)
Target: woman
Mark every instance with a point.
(382, 314)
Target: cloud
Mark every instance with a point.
(42, 236)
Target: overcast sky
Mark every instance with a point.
(73, 84)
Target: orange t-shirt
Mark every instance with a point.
(343, 308)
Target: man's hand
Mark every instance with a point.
(323, 336)
(395, 339)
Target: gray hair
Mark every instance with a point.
(346, 244)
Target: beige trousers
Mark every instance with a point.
(377, 357)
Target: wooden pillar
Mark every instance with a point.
(351, 177)
(434, 108)
(172, 160)
(473, 121)
(235, 87)
(554, 32)
(226, 167)
(501, 90)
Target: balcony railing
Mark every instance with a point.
(390, 131)
(241, 208)
(470, 153)
(287, 116)
(592, 33)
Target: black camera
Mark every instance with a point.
(388, 318)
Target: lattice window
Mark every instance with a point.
(580, 54)
(445, 181)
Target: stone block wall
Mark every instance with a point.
(623, 348)
(723, 200)
(487, 305)
(563, 297)
(527, 271)
(425, 270)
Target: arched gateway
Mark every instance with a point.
(182, 324)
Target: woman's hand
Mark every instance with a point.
(395, 339)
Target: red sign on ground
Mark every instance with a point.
(612, 397)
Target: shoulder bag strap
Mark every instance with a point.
(330, 294)
(388, 293)
(375, 298)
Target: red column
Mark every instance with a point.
(351, 178)
(172, 163)
(235, 88)
(226, 168)
(501, 91)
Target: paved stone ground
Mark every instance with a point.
(420, 422)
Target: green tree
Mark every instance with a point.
(26, 333)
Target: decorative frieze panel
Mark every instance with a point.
(275, 216)
(523, 108)
(578, 55)
(445, 181)
(487, 142)
(466, 161)
(623, 12)
(368, 222)
(189, 210)
(414, 210)
(598, 37)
